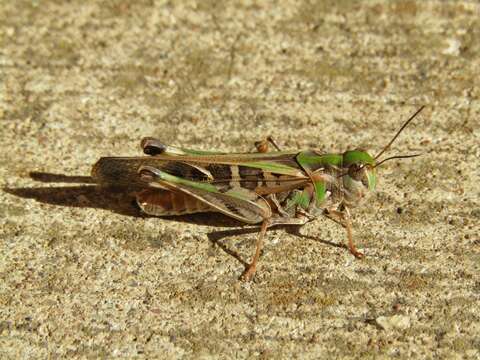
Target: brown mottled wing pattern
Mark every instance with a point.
(240, 181)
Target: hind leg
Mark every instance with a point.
(252, 268)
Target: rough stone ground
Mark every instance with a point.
(83, 274)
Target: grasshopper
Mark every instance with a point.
(267, 188)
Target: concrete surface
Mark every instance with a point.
(84, 275)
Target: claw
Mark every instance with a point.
(249, 273)
(356, 253)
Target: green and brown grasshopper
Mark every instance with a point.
(267, 188)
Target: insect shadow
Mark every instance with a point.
(121, 200)
(215, 238)
(118, 199)
(84, 195)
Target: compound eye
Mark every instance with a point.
(355, 171)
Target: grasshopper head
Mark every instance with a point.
(360, 176)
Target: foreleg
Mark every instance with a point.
(343, 218)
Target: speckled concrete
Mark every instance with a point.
(84, 275)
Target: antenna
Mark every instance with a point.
(397, 157)
(398, 133)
